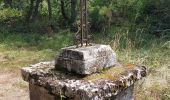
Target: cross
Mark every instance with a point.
(82, 36)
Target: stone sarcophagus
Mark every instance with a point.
(115, 83)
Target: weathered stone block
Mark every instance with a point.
(113, 84)
(86, 60)
(40, 93)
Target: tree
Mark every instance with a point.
(34, 9)
(49, 9)
(62, 5)
(73, 14)
(29, 14)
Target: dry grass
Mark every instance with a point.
(156, 56)
(17, 58)
(155, 86)
(10, 88)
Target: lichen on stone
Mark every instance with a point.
(99, 85)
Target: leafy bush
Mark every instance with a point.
(8, 13)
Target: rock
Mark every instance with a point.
(57, 83)
(86, 60)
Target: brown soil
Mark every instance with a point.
(12, 87)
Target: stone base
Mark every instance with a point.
(127, 94)
(46, 83)
(86, 60)
(40, 93)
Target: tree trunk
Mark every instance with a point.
(73, 14)
(49, 9)
(63, 10)
(36, 11)
(29, 14)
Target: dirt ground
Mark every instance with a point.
(12, 87)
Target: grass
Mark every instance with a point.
(19, 49)
(17, 58)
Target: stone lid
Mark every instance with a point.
(105, 84)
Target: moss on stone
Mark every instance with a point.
(112, 73)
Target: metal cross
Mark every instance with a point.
(82, 36)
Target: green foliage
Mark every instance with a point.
(154, 15)
(8, 13)
(103, 15)
(21, 40)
